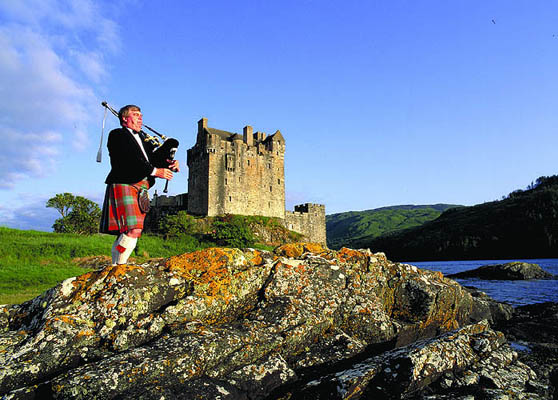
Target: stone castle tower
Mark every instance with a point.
(229, 173)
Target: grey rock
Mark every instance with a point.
(247, 324)
(516, 270)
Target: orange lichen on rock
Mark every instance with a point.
(254, 257)
(83, 283)
(295, 250)
(445, 322)
(85, 333)
(118, 271)
(199, 265)
(210, 269)
(66, 319)
(346, 255)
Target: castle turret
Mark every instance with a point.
(202, 126)
(248, 135)
(277, 137)
(276, 142)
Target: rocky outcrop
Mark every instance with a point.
(516, 270)
(248, 324)
(534, 329)
(474, 360)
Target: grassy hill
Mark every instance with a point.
(522, 225)
(351, 228)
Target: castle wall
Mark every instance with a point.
(246, 182)
(198, 182)
(235, 174)
(308, 219)
(180, 201)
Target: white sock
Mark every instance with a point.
(124, 248)
(115, 253)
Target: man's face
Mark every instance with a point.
(133, 120)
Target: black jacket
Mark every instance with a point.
(128, 164)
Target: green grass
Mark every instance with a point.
(32, 262)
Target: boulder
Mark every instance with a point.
(248, 324)
(516, 270)
(488, 308)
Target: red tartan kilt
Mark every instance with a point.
(121, 212)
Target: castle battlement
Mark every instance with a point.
(211, 140)
(308, 219)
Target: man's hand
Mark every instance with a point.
(164, 173)
(173, 165)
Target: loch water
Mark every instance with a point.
(512, 292)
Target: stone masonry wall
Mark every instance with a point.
(198, 183)
(236, 174)
(308, 219)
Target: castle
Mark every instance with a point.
(229, 173)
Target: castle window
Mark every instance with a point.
(248, 162)
(271, 188)
(225, 181)
(230, 162)
(269, 166)
(230, 198)
(239, 179)
(269, 205)
(278, 181)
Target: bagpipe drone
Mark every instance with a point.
(163, 151)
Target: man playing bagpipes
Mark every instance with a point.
(134, 166)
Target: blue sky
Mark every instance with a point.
(380, 102)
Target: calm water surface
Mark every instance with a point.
(512, 292)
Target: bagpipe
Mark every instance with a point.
(162, 153)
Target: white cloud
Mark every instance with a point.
(51, 56)
(32, 215)
(27, 153)
(91, 63)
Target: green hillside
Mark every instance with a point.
(350, 228)
(522, 225)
